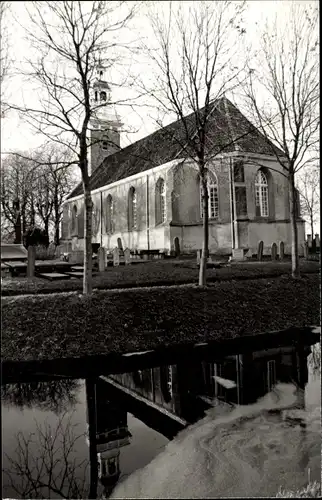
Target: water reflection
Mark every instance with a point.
(213, 403)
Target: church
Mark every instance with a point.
(147, 195)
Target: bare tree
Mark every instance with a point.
(17, 176)
(4, 54)
(282, 96)
(309, 188)
(194, 67)
(45, 463)
(70, 39)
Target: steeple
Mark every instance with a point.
(105, 124)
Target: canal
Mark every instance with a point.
(241, 425)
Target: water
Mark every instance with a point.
(271, 440)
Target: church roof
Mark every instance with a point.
(227, 128)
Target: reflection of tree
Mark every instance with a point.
(45, 463)
(53, 395)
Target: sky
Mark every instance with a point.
(16, 132)
(139, 121)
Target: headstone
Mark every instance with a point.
(317, 241)
(177, 246)
(282, 250)
(274, 251)
(309, 240)
(238, 254)
(101, 254)
(260, 250)
(119, 244)
(199, 256)
(127, 256)
(116, 256)
(306, 250)
(51, 250)
(31, 261)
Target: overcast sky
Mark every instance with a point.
(17, 134)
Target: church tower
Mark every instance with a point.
(105, 124)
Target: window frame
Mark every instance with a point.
(262, 193)
(109, 214)
(160, 202)
(74, 228)
(213, 192)
(132, 209)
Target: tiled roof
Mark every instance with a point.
(227, 128)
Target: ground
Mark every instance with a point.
(156, 273)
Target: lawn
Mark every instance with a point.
(157, 273)
(66, 325)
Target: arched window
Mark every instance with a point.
(213, 204)
(109, 214)
(160, 202)
(74, 220)
(261, 194)
(104, 145)
(103, 95)
(132, 209)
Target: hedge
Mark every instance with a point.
(68, 325)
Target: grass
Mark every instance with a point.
(159, 273)
(73, 325)
(312, 490)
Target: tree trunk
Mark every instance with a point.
(91, 420)
(46, 231)
(87, 280)
(17, 224)
(56, 237)
(205, 242)
(295, 251)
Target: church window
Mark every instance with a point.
(95, 95)
(132, 204)
(103, 96)
(261, 194)
(74, 220)
(213, 203)
(160, 202)
(109, 214)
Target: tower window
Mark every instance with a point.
(104, 145)
(103, 96)
(95, 95)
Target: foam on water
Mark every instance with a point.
(251, 451)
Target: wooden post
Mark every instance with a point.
(31, 261)
(101, 259)
(281, 250)
(260, 250)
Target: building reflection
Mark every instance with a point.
(186, 390)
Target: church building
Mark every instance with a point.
(147, 196)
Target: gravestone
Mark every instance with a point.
(306, 250)
(317, 241)
(176, 246)
(31, 261)
(309, 240)
(116, 256)
(119, 244)
(127, 256)
(238, 254)
(281, 250)
(260, 250)
(199, 256)
(51, 250)
(101, 254)
(274, 251)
